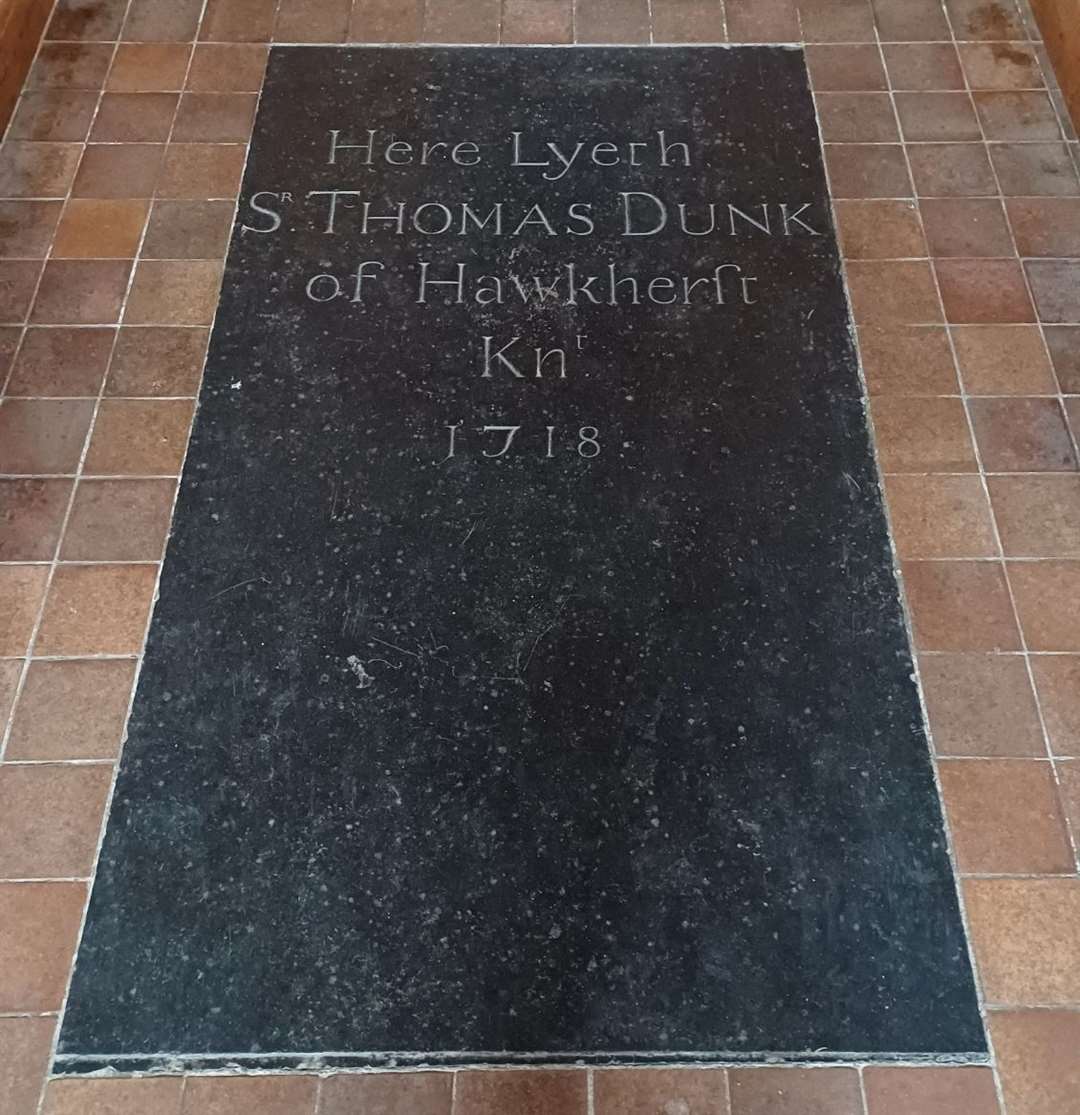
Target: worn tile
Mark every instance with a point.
(1022, 435)
(43, 436)
(880, 229)
(132, 1096)
(945, 1090)
(1045, 226)
(39, 926)
(976, 291)
(26, 227)
(31, 516)
(1003, 360)
(25, 1049)
(201, 170)
(533, 1092)
(981, 704)
(391, 1093)
(56, 115)
(923, 66)
(243, 21)
(951, 170)
(1063, 344)
(936, 117)
(100, 229)
(1037, 516)
(1026, 938)
(215, 118)
(149, 67)
(312, 21)
(173, 293)
(126, 170)
(60, 361)
(81, 292)
(227, 68)
(980, 19)
(10, 673)
(1047, 595)
(18, 278)
(1057, 680)
(940, 517)
(139, 437)
(966, 227)
(1017, 116)
(37, 169)
(119, 520)
(162, 20)
(893, 292)
(910, 20)
(857, 118)
(922, 435)
(836, 21)
(608, 21)
(21, 590)
(477, 21)
(907, 360)
(188, 230)
(1038, 1058)
(845, 68)
(267, 1095)
(98, 20)
(959, 605)
(1068, 772)
(646, 1091)
(795, 1091)
(96, 609)
(72, 710)
(538, 21)
(870, 171)
(150, 361)
(762, 21)
(387, 21)
(1035, 169)
(1000, 65)
(1055, 285)
(134, 118)
(683, 21)
(1005, 817)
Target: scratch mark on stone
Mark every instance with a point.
(239, 584)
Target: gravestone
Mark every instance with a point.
(529, 679)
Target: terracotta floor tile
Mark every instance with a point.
(149, 67)
(795, 1091)
(43, 436)
(1035, 169)
(952, 170)
(10, 672)
(762, 21)
(1046, 226)
(1000, 66)
(936, 117)
(173, 293)
(940, 517)
(609, 21)
(386, 21)
(266, 1095)
(72, 710)
(147, 1096)
(150, 361)
(856, 118)
(242, 21)
(686, 21)
(26, 227)
(96, 609)
(392, 1093)
(134, 118)
(1003, 360)
(523, 1091)
(50, 819)
(959, 605)
(1047, 597)
(1026, 937)
(845, 68)
(981, 704)
(976, 19)
(87, 19)
(70, 66)
(857, 171)
(59, 361)
(1072, 410)
(836, 21)
(930, 1091)
(910, 20)
(880, 229)
(119, 170)
(1017, 116)
(646, 1091)
(188, 230)
(162, 20)
(923, 66)
(1057, 679)
(139, 437)
(81, 292)
(100, 229)
(966, 227)
(17, 280)
(21, 590)
(39, 926)
(1068, 771)
(1038, 1056)
(1037, 516)
(215, 118)
(37, 169)
(1056, 287)
(922, 435)
(900, 293)
(57, 115)
(25, 1049)
(1022, 435)
(1063, 343)
(907, 360)
(312, 21)
(977, 291)
(1005, 817)
(523, 21)
(477, 21)
(119, 520)
(201, 170)
(31, 515)
(227, 68)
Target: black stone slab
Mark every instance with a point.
(606, 745)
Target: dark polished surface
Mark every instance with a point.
(604, 743)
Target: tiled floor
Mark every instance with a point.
(954, 173)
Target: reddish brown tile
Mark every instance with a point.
(58, 361)
(960, 605)
(139, 437)
(646, 1091)
(1047, 595)
(43, 436)
(98, 20)
(1037, 516)
(267, 1095)
(37, 169)
(1026, 938)
(1017, 116)
(227, 68)
(1005, 817)
(611, 21)
(26, 227)
(58, 115)
(966, 227)
(31, 515)
(686, 21)
(1046, 226)
(940, 517)
(1022, 435)
(1038, 1057)
(173, 293)
(201, 170)
(952, 170)
(880, 229)
(981, 704)
(977, 291)
(134, 118)
(21, 590)
(1056, 287)
(100, 229)
(149, 67)
(857, 171)
(922, 435)
(157, 362)
(836, 21)
(845, 68)
(985, 19)
(1068, 771)
(17, 280)
(1057, 679)
(81, 292)
(910, 20)
(188, 230)
(1000, 66)
(525, 1092)
(1035, 169)
(96, 609)
(386, 21)
(1063, 343)
(242, 21)
(894, 292)
(215, 118)
(930, 1091)
(762, 21)
(936, 117)
(856, 118)
(132, 1096)
(10, 672)
(540, 21)
(162, 21)
(923, 66)
(25, 1049)
(39, 926)
(312, 21)
(907, 360)
(119, 520)
(477, 21)
(50, 818)
(119, 170)
(1003, 360)
(392, 1093)
(795, 1091)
